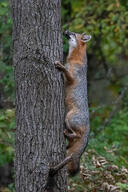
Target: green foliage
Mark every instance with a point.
(113, 137)
(6, 84)
(5, 32)
(107, 21)
(6, 73)
(11, 187)
(6, 136)
(7, 81)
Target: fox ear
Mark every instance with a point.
(85, 38)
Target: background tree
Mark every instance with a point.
(39, 139)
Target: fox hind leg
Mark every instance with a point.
(69, 132)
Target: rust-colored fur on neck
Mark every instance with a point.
(77, 54)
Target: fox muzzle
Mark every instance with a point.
(68, 34)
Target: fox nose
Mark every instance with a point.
(67, 34)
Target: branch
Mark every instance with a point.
(116, 103)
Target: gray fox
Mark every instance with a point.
(77, 117)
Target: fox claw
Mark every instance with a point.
(58, 65)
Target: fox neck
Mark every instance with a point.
(76, 54)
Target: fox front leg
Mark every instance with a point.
(67, 74)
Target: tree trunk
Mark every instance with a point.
(39, 139)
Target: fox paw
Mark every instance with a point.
(65, 132)
(58, 65)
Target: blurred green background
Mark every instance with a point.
(104, 166)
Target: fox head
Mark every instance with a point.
(76, 39)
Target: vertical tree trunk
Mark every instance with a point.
(39, 140)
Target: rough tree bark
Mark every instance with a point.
(39, 139)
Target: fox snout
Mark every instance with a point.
(68, 34)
